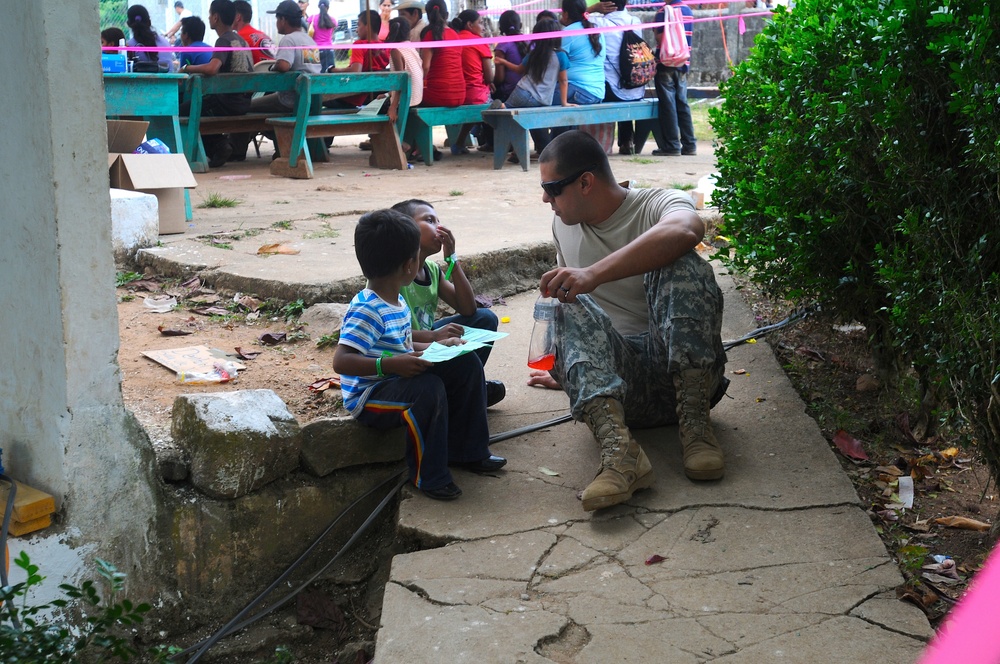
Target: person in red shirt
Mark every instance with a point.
(363, 59)
(477, 60)
(263, 45)
(444, 83)
(477, 69)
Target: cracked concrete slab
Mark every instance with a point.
(775, 562)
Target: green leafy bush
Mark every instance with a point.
(26, 637)
(859, 166)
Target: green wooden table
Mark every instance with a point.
(154, 98)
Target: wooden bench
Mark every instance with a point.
(310, 121)
(423, 120)
(511, 125)
(198, 124)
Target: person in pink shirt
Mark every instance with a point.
(323, 26)
(385, 13)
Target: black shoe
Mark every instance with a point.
(487, 465)
(689, 153)
(666, 153)
(436, 154)
(626, 149)
(449, 491)
(221, 156)
(495, 392)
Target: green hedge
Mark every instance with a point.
(860, 165)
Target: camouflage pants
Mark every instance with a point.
(685, 332)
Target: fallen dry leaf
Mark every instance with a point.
(963, 522)
(251, 303)
(739, 372)
(324, 384)
(655, 558)
(545, 471)
(849, 446)
(172, 333)
(277, 248)
(272, 338)
(810, 353)
(246, 354)
(212, 311)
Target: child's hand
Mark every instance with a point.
(452, 341)
(449, 331)
(407, 365)
(447, 239)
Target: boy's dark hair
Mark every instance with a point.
(194, 28)
(408, 207)
(574, 150)
(620, 5)
(371, 18)
(383, 241)
(225, 10)
(112, 35)
(244, 9)
(545, 13)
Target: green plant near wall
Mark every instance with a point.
(858, 165)
(101, 632)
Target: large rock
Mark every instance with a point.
(135, 223)
(237, 441)
(323, 319)
(335, 443)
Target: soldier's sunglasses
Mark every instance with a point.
(555, 187)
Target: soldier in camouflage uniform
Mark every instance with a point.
(639, 327)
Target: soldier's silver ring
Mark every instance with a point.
(564, 289)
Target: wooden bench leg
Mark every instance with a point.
(501, 143)
(423, 136)
(519, 143)
(282, 166)
(386, 150)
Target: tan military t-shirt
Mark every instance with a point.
(582, 245)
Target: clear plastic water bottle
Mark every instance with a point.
(542, 349)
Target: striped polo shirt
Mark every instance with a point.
(373, 327)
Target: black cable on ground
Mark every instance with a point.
(801, 314)
(496, 438)
(234, 625)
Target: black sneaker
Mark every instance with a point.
(666, 153)
(449, 491)
(495, 392)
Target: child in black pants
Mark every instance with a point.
(383, 378)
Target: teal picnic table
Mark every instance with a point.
(154, 98)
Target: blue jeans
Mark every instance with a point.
(519, 98)
(484, 319)
(675, 114)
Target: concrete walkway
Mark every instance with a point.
(777, 562)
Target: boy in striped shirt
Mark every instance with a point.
(386, 383)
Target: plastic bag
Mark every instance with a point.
(222, 372)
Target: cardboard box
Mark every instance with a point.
(165, 176)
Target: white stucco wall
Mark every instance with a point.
(63, 425)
